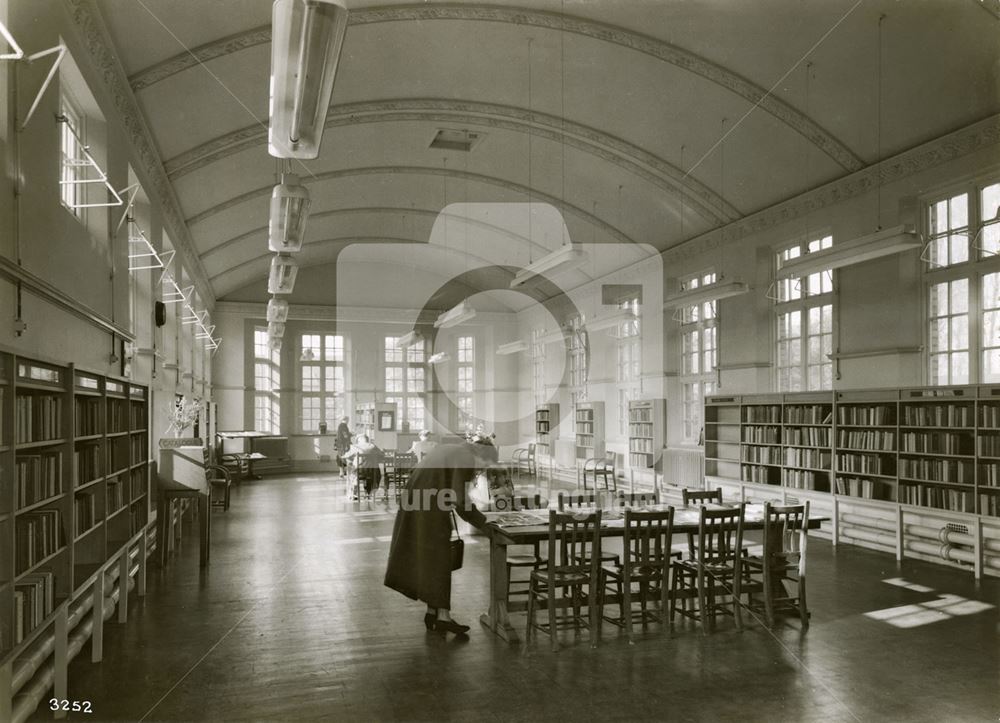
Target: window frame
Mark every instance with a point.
(407, 361)
(329, 402)
(697, 321)
(71, 190)
(628, 360)
(465, 365)
(266, 401)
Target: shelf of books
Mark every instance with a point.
(893, 467)
(646, 433)
(546, 428)
(73, 456)
(589, 420)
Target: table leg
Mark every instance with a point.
(497, 619)
(205, 533)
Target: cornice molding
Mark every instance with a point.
(95, 37)
(603, 32)
(971, 139)
(592, 141)
(347, 314)
(536, 195)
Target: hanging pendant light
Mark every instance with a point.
(289, 211)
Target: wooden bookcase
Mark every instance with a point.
(915, 471)
(589, 421)
(366, 416)
(75, 502)
(646, 433)
(546, 428)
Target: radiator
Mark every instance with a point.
(682, 467)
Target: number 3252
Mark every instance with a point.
(78, 706)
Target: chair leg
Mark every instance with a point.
(531, 611)
(769, 582)
(737, 605)
(552, 617)
(702, 601)
(803, 610)
(625, 606)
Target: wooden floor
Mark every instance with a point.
(291, 622)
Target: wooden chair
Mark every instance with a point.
(783, 560)
(716, 571)
(700, 497)
(238, 466)
(569, 536)
(389, 472)
(567, 501)
(523, 458)
(600, 468)
(219, 481)
(404, 464)
(518, 556)
(647, 560)
(637, 499)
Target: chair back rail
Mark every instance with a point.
(569, 536)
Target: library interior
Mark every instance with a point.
(689, 310)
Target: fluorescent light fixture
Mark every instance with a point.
(513, 347)
(277, 310)
(281, 280)
(611, 321)
(453, 317)
(141, 254)
(87, 161)
(441, 356)
(554, 337)
(705, 294)
(562, 259)
(408, 339)
(274, 342)
(887, 242)
(289, 211)
(194, 317)
(275, 328)
(16, 52)
(205, 333)
(176, 294)
(306, 39)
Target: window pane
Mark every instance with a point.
(959, 211)
(960, 368)
(310, 378)
(960, 332)
(310, 346)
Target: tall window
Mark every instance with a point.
(538, 366)
(804, 312)
(629, 357)
(963, 286)
(577, 361)
(267, 384)
(322, 377)
(72, 172)
(466, 371)
(406, 381)
(699, 355)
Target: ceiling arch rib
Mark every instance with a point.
(604, 32)
(380, 210)
(535, 195)
(621, 153)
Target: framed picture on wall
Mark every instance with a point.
(386, 421)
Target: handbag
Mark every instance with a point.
(457, 546)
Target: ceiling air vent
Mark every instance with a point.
(449, 140)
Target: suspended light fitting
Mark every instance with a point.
(440, 357)
(705, 294)
(408, 339)
(289, 211)
(886, 242)
(306, 40)
(277, 310)
(284, 269)
(562, 259)
(512, 347)
(455, 316)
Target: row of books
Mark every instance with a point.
(988, 446)
(584, 415)
(118, 454)
(89, 462)
(640, 414)
(137, 481)
(863, 487)
(938, 415)
(84, 511)
(138, 416)
(137, 515)
(989, 475)
(814, 436)
(762, 455)
(936, 470)
(989, 505)
(585, 427)
(37, 477)
(816, 458)
(762, 435)
(865, 463)
(813, 414)
(805, 480)
(875, 439)
(87, 417)
(938, 497)
(117, 416)
(34, 600)
(37, 535)
(760, 475)
(37, 417)
(762, 413)
(879, 415)
(640, 445)
(640, 429)
(139, 448)
(936, 442)
(637, 459)
(115, 495)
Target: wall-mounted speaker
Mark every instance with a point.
(160, 313)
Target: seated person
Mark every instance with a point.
(366, 456)
(423, 445)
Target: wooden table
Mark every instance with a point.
(686, 520)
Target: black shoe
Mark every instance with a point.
(451, 626)
(430, 619)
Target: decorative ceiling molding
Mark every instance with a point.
(375, 210)
(616, 151)
(603, 32)
(535, 195)
(320, 312)
(88, 21)
(971, 139)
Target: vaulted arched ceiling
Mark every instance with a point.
(642, 122)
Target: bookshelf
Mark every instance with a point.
(74, 503)
(546, 428)
(646, 433)
(895, 468)
(589, 427)
(366, 416)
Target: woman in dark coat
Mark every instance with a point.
(420, 553)
(342, 444)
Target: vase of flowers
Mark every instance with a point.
(183, 414)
